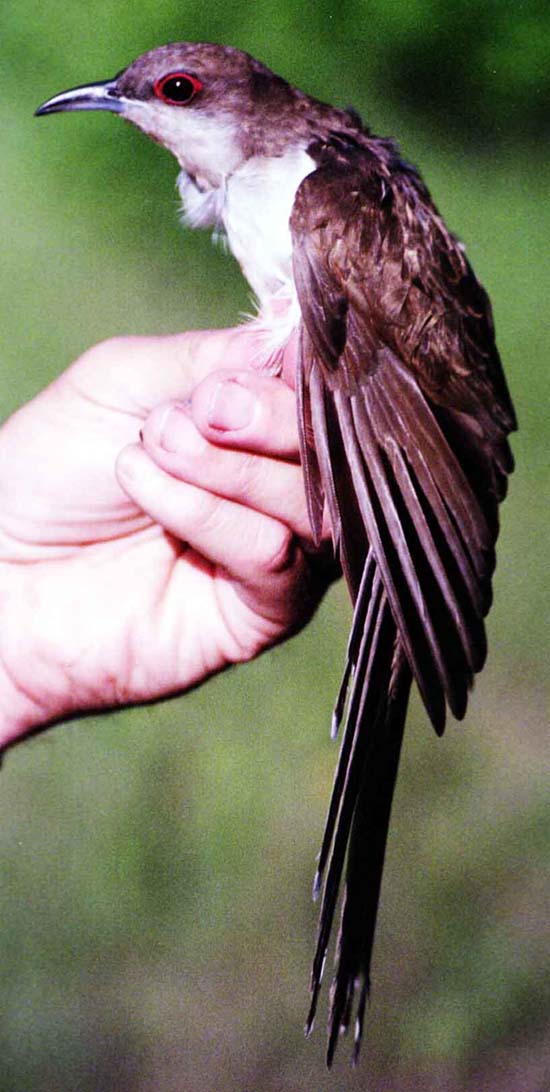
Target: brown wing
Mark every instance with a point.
(404, 413)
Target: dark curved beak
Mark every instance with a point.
(94, 96)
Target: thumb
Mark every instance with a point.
(134, 374)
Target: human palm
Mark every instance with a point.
(130, 570)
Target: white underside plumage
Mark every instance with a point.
(246, 200)
(259, 240)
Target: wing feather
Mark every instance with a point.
(315, 495)
(403, 415)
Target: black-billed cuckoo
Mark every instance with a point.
(403, 412)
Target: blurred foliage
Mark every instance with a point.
(156, 864)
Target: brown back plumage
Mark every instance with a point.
(405, 410)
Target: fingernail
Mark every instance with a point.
(174, 427)
(231, 406)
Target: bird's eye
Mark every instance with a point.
(177, 88)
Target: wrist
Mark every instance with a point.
(33, 689)
(19, 713)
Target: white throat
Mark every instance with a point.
(206, 147)
(252, 206)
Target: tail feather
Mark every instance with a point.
(360, 806)
(365, 862)
(352, 686)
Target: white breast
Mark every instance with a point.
(252, 205)
(256, 211)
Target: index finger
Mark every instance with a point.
(248, 411)
(134, 374)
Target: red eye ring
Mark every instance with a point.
(177, 88)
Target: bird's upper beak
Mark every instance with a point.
(94, 96)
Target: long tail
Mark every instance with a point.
(372, 703)
(375, 690)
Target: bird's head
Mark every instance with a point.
(210, 105)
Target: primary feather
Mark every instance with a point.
(402, 400)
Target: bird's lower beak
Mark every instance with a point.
(95, 96)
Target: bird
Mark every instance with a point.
(403, 415)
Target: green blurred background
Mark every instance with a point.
(156, 922)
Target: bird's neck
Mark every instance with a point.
(252, 206)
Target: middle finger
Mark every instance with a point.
(270, 485)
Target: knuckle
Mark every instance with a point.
(101, 355)
(247, 478)
(274, 548)
(209, 517)
(108, 365)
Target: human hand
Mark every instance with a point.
(130, 571)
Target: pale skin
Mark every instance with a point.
(133, 568)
